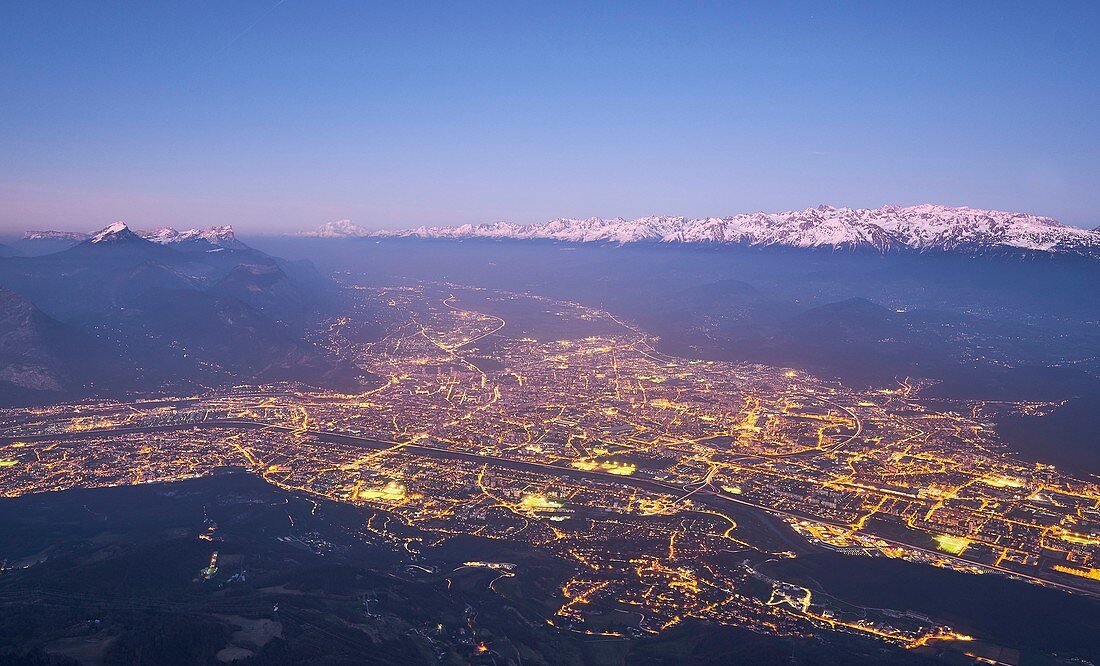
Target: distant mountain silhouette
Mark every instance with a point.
(192, 308)
(265, 287)
(845, 322)
(202, 336)
(42, 357)
(115, 265)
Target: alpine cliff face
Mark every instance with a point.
(924, 228)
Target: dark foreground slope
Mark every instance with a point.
(119, 575)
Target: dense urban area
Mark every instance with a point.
(670, 486)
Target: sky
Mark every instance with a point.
(277, 116)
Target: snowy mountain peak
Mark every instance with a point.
(219, 233)
(112, 232)
(922, 228)
(160, 235)
(338, 229)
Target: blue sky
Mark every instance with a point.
(277, 116)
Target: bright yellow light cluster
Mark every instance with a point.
(954, 545)
(1002, 481)
(609, 466)
(1084, 572)
(391, 492)
(536, 502)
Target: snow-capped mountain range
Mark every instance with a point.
(890, 228)
(220, 236)
(217, 236)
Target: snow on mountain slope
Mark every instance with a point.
(115, 231)
(218, 236)
(162, 235)
(922, 228)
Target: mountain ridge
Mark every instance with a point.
(922, 228)
(216, 236)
